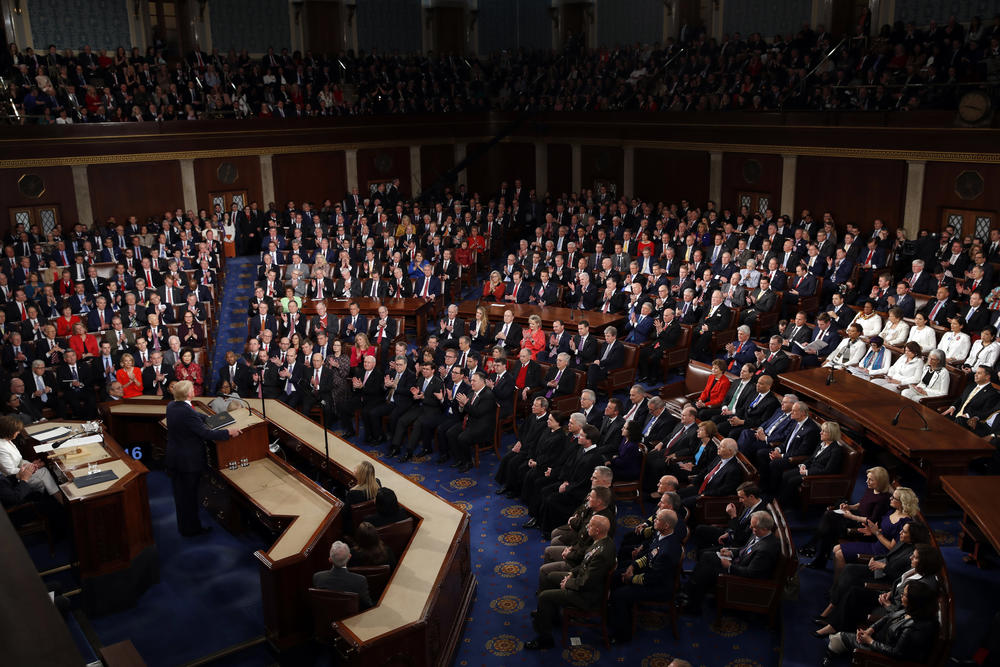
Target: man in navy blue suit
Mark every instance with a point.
(825, 340)
(640, 325)
(802, 440)
(186, 435)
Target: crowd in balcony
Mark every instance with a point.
(901, 67)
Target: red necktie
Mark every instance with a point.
(733, 362)
(934, 311)
(709, 476)
(869, 259)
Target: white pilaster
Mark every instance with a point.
(628, 172)
(266, 181)
(541, 170)
(351, 163)
(577, 170)
(81, 188)
(915, 170)
(188, 185)
(415, 174)
(715, 179)
(461, 149)
(789, 166)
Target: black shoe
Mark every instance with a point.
(425, 452)
(539, 643)
(817, 635)
(394, 451)
(465, 467)
(816, 565)
(405, 457)
(443, 459)
(821, 621)
(531, 523)
(502, 491)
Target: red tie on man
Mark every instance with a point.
(737, 351)
(709, 476)
(935, 310)
(24, 313)
(868, 260)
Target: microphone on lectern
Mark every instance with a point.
(895, 420)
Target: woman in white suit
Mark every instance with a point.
(906, 370)
(922, 334)
(896, 331)
(956, 343)
(934, 382)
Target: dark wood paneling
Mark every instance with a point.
(322, 23)
(671, 175)
(142, 189)
(743, 172)
(856, 191)
(602, 162)
(560, 169)
(449, 30)
(206, 178)
(503, 162)
(940, 191)
(435, 160)
(380, 164)
(58, 190)
(309, 177)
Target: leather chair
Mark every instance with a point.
(360, 512)
(494, 445)
(327, 608)
(678, 355)
(835, 487)
(397, 535)
(377, 576)
(631, 489)
(622, 378)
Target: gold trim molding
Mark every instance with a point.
(810, 151)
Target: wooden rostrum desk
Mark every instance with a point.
(413, 309)
(945, 449)
(112, 528)
(419, 618)
(522, 311)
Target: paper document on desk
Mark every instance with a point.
(51, 434)
(85, 440)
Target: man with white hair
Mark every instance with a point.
(741, 351)
(339, 578)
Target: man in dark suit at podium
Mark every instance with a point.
(186, 436)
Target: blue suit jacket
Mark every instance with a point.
(186, 436)
(806, 288)
(434, 289)
(831, 337)
(805, 441)
(641, 331)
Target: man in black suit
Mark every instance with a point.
(976, 402)
(756, 560)
(236, 373)
(940, 310)
(508, 333)
(353, 323)
(315, 388)
(502, 384)
(611, 357)
(975, 317)
(374, 287)
(678, 443)
(368, 387)
(668, 332)
(573, 482)
(826, 460)
(559, 380)
(721, 478)
(558, 342)
(480, 408)
(919, 279)
(398, 382)
(762, 301)
(76, 384)
(784, 455)
(659, 424)
(758, 406)
(424, 414)
(451, 327)
(185, 460)
(737, 531)
(383, 331)
(585, 348)
(339, 578)
(716, 318)
(261, 321)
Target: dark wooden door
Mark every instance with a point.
(324, 31)
(449, 30)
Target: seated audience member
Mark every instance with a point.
(903, 506)
(715, 318)
(774, 361)
(753, 407)
(555, 501)
(741, 351)
(788, 453)
(626, 463)
(366, 485)
(678, 444)
(188, 369)
(723, 476)
(825, 340)
(905, 371)
(868, 320)
(709, 402)
(896, 331)
(976, 402)
(934, 382)
(667, 333)
(40, 389)
(875, 363)
(696, 462)
(76, 384)
(835, 526)
(531, 430)
(582, 588)
(387, 509)
(756, 559)
(649, 575)
(225, 400)
(984, 352)
(737, 531)
(34, 474)
(339, 578)
(850, 351)
(906, 634)
(368, 549)
(826, 460)
(610, 358)
(955, 343)
(922, 334)
(574, 537)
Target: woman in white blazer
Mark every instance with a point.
(906, 370)
(869, 321)
(922, 334)
(896, 331)
(934, 382)
(956, 343)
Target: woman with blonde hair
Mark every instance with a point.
(837, 522)
(534, 337)
(366, 485)
(493, 288)
(362, 347)
(904, 506)
(479, 329)
(129, 376)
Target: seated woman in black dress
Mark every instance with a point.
(366, 485)
(367, 548)
(907, 634)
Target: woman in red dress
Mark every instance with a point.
(83, 343)
(493, 289)
(129, 377)
(361, 348)
(64, 324)
(534, 337)
(715, 389)
(187, 369)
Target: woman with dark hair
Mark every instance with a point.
(625, 464)
(907, 634)
(188, 369)
(550, 450)
(387, 509)
(858, 602)
(367, 548)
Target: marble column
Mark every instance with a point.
(715, 178)
(188, 186)
(786, 205)
(913, 206)
(351, 164)
(81, 188)
(266, 181)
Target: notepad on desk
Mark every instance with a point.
(50, 434)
